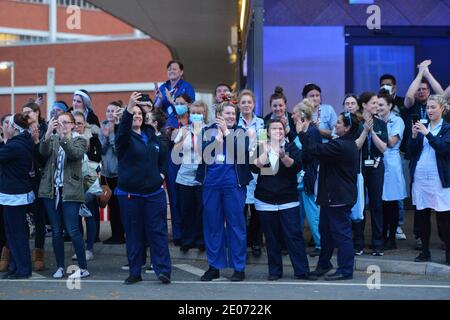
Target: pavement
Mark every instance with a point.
(399, 261)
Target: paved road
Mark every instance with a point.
(106, 282)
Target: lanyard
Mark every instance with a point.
(423, 112)
(369, 144)
(318, 113)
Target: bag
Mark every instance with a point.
(84, 211)
(103, 198)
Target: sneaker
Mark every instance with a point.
(80, 273)
(210, 274)
(400, 235)
(315, 253)
(150, 269)
(74, 257)
(238, 276)
(59, 273)
(419, 245)
(132, 279)
(377, 253)
(89, 255)
(359, 252)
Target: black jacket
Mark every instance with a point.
(139, 164)
(311, 163)
(338, 169)
(441, 145)
(16, 157)
(282, 187)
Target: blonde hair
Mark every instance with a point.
(222, 106)
(246, 92)
(306, 107)
(440, 100)
(200, 104)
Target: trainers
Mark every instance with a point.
(74, 257)
(210, 274)
(399, 234)
(132, 279)
(238, 276)
(80, 273)
(359, 252)
(59, 273)
(89, 255)
(150, 269)
(377, 253)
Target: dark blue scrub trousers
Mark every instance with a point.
(145, 222)
(286, 225)
(225, 206)
(373, 180)
(17, 237)
(172, 171)
(335, 227)
(191, 210)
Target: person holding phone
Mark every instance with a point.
(430, 172)
(224, 174)
(277, 203)
(62, 188)
(307, 177)
(337, 193)
(142, 168)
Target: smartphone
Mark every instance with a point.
(144, 98)
(262, 135)
(415, 118)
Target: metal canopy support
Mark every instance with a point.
(255, 55)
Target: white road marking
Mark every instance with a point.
(271, 283)
(194, 270)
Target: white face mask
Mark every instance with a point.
(387, 87)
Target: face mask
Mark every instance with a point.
(387, 88)
(196, 118)
(181, 109)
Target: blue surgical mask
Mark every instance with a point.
(181, 109)
(196, 118)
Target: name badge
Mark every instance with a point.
(424, 121)
(220, 158)
(369, 163)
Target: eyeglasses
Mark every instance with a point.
(79, 124)
(65, 123)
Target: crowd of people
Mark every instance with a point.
(234, 179)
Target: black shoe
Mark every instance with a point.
(315, 253)
(256, 251)
(114, 241)
(338, 276)
(211, 274)
(238, 276)
(320, 271)
(7, 275)
(177, 243)
(310, 276)
(273, 277)
(132, 279)
(423, 257)
(164, 278)
(201, 248)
